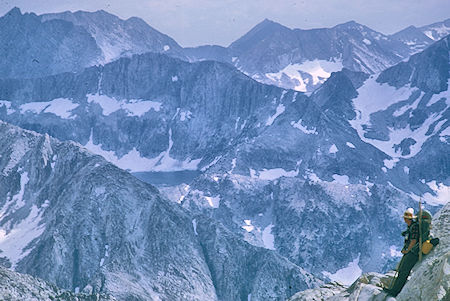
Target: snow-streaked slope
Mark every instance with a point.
(437, 31)
(134, 113)
(328, 182)
(116, 37)
(307, 75)
(303, 59)
(74, 219)
(374, 97)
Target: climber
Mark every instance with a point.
(410, 253)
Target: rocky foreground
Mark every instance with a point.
(15, 286)
(429, 280)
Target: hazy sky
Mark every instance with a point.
(199, 22)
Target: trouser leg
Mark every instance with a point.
(408, 262)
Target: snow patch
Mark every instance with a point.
(313, 177)
(185, 115)
(61, 107)
(14, 241)
(341, 179)
(18, 198)
(268, 238)
(18, 150)
(275, 173)
(367, 42)
(298, 125)
(166, 47)
(216, 159)
(390, 163)
(350, 145)
(134, 162)
(214, 202)
(442, 193)
(133, 107)
(333, 149)
(248, 225)
(194, 225)
(7, 105)
(175, 78)
(233, 166)
(253, 174)
(319, 70)
(99, 191)
(374, 97)
(280, 110)
(346, 275)
(436, 33)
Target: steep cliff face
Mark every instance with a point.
(118, 38)
(163, 113)
(330, 174)
(36, 46)
(33, 48)
(73, 219)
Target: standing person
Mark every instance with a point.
(410, 252)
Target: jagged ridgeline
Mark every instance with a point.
(270, 52)
(317, 181)
(73, 219)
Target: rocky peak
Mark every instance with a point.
(417, 70)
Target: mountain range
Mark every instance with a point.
(287, 184)
(269, 53)
(72, 218)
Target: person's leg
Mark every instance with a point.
(405, 268)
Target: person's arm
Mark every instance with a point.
(414, 235)
(411, 245)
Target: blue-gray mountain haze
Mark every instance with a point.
(301, 149)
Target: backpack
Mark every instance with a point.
(425, 226)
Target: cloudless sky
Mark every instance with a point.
(220, 22)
